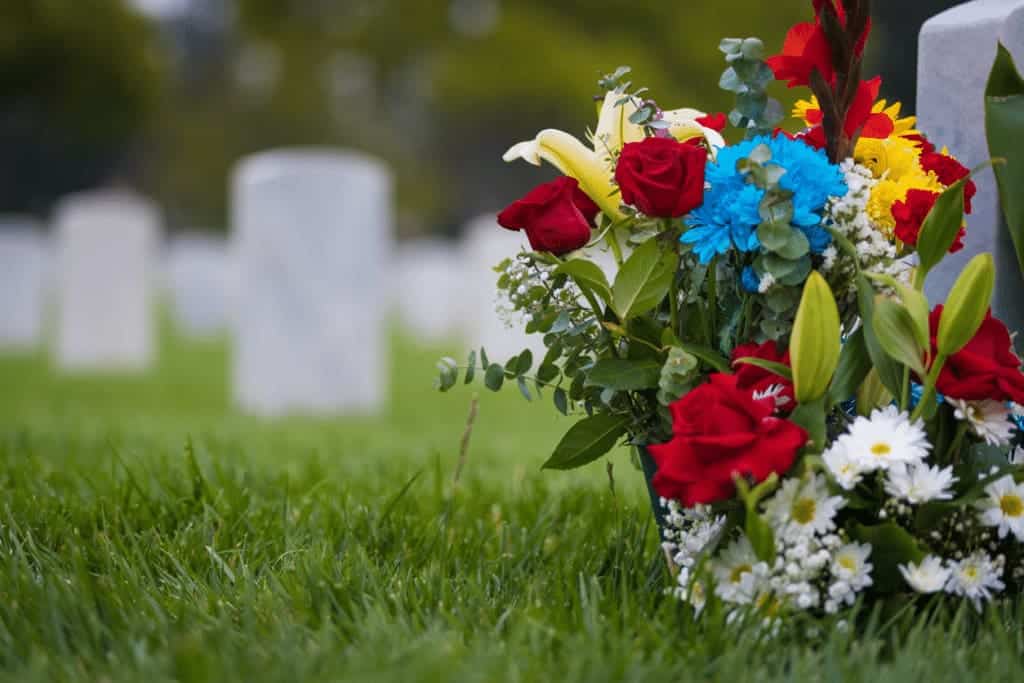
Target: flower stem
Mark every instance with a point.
(613, 242)
(958, 440)
(712, 301)
(929, 386)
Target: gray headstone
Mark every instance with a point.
(312, 232)
(957, 49)
(106, 245)
(486, 245)
(24, 259)
(429, 289)
(199, 279)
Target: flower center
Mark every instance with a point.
(881, 449)
(803, 510)
(847, 562)
(739, 571)
(970, 573)
(1011, 505)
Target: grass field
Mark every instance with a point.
(149, 533)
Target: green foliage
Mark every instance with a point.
(814, 343)
(891, 546)
(967, 305)
(940, 228)
(644, 280)
(1004, 127)
(678, 375)
(622, 374)
(896, 332)
(748, 76)
(587, 440)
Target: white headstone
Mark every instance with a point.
(956, 52)
(23, 278)
(313, 234)
(199, 278)
(107, 245)
(429, 289)
(486, 245)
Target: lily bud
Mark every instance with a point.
(967, 304)
(814, 345)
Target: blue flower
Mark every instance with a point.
(729, 216)
(750, 281)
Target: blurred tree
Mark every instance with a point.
(78, 82)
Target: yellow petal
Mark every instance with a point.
(614, 128)
(683, 126)
(574, 159)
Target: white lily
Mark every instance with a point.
(593, 167)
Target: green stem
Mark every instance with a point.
(712, 301)
(673, 292)
(929, 386)
(958, 440)
(905, 390)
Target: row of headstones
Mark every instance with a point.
(304, 284)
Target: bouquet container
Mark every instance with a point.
(649, 468)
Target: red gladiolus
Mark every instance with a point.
(721, 431)
(806, 48)
(761, 382)
(556, 216)
(987, 368)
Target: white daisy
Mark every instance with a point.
(738, 573)
(930, 576)
(850, 564)
(804, 507)
(989, 419)
(976, 577)
(1004, 507)
(886, 438)
(919, 483)
(845, 470)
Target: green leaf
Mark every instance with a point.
(524, 362)
(644, 280)
(891, 546)
(811, 416)
(854, 365)
(889, 371)
(484, 363)
(588, 276)
(561, 401)
(895, 330)
(760, 535)
(915, 302)
(494, 377)
(547, 372)
(940, 228)
(523, 389)
(587, 440)
(625, 375)
(706, 354)
(774, 236)
(448, 373)
(796, 247)
(1004, 126)
(814, 343)
(779, 369)
(470, 367)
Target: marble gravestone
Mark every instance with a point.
(312, 235)
(106, 243)
(486, 244)
(199, 279)
(429, 289)
(23, 279)
(956, 52)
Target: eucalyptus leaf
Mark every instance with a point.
(494, 376)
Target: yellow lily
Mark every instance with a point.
(594, 167)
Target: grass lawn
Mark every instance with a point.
(149, 533)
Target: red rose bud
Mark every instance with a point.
(987, 368)
(948, 170)
(721, 431)
(910, 214)
(761, 382)
(556, 216)
(662, 177)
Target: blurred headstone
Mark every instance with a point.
(23, 277)
(956, 51)
(313, 234)
(199, 277)
(486, 245)
(106, 245)
(429, 289)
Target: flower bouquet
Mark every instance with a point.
(750, 316)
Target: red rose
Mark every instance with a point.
(662, 177)
(986, 368)
(761, 382)
(556, 216)
(948, 170)
(910, 214)
(721, 431)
